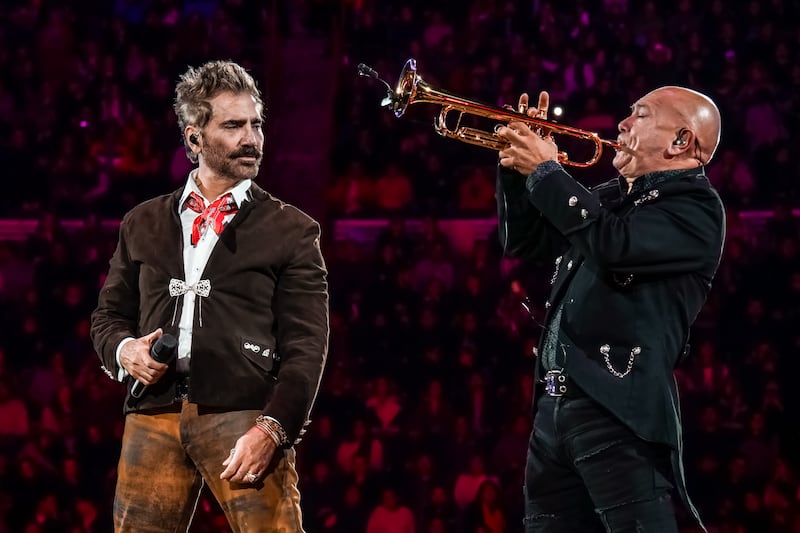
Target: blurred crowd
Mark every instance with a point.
(86, 94)
(594, 58)
(422, 420)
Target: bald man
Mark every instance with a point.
(633, 264)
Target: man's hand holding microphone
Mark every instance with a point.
(147, 358)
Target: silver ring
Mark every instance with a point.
(233, 451)
(251, 477)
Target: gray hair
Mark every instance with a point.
(199, 85)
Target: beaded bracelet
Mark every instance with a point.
(273, 428)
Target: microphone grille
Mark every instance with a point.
(164, 348)
(364, 70)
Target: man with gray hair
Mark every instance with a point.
(238, 278)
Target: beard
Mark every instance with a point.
(230, 165)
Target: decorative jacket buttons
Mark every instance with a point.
(584, 213)
(569, 265)
(573, 201)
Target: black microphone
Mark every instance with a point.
(364, 70)
(163, 351)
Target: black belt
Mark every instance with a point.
(557, 383)
(182, 388)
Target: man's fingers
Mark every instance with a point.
(228, 459)
(249, 458)
(158, 368)
(513, 132)
(144, 378)
(544, 105)
(507, 160)
(148, 377)
(152, 367)
(522, 106)
(151, 337)
(232, 466)
(228, 472)
(149, 372)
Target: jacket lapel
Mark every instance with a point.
(174, 236)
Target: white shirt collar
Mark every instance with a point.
(239, 191)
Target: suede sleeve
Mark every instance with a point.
(301, 315)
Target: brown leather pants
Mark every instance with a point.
(166, 459)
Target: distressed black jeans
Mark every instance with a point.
(587, 472)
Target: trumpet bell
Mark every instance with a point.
(406, 90)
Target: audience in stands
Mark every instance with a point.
(422, 421)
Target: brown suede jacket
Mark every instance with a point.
(264, 334)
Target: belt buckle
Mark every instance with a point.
(555, 383)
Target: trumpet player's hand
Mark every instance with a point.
(540, 111)
(526, 148)
(516, 158)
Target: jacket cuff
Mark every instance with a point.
(542, 169)
(121, 372)
(567, 204)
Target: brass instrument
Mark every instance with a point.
(412, 89)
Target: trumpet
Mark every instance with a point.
(412, 89)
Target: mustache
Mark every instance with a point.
(246, 151)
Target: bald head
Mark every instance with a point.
(699, 114)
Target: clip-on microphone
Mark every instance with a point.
(368, 72)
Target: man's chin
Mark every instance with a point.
(247, 169)
(249, 175)
(241, 174)
(620, 161)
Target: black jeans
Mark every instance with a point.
(588, 472)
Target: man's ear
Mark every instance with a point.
(194, 139)
(684, 140)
